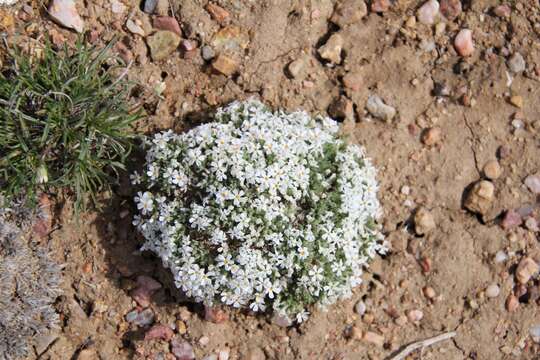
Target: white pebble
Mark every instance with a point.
(360, 308)
(428, 12)
(493, 291)
(535, 332)
(500, 257)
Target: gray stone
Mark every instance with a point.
(207, 53)
(150, 6)
(376, 107)
(516, 63)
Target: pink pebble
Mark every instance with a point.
(65, 13)
(533, 183)
(167, 23)
(511, 219)
(464, 43)
(161, 332)
(428, 12)
(181, 349)
(148, 283)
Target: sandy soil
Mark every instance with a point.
(413, 68)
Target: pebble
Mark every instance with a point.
(162, 43)
(516, 63)
(480, 197)
(204, 340)
(331, 51)
(224, 354)
(380, 6)
(379, 109)
(534, 331)
(360, 308)
(432, 136)
(423, 221)
(532, 224)
(143, 318)
(500, 257)
(463, 43)
(117, 7)
(207, 53)
(162, 332)
(181, 349)
(348, 12)
(162, 7)
(512, 303)
(451, 9)
(296, 68)
(150, 6)
(429, 292)
(502, 11)
(492, 170)
(533, 183)
(65, 13)
(493, 290)
(211, 357)
(42, 342)
(526, 268)
(441, 89)
(352, 81)
(511, 219)
(415, 315)
(225, 65)
(215, 315)
(146, 287)
(428, 12)
(373, 338)
(167, 23)
(134, 28)
(517, 101)
(281, 320)
(188, 45)
(217, 13)
(181, 327)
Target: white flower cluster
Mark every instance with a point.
(7, 2)
(260, 209)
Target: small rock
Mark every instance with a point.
(516, 63)
(493, 290)
(500, 257)
(533, 183)
(425, 264)
(230, 39)
(281, 320)
(441, 89)
(161, 332)
(143, 318)
(224, 354)
(526, 268)
(341, 108)
(352, 81)
(415, 315)
(215, 315)
(331, 51)
(379, 109)
(162, 8)
(217, 13)
(134, 28)
(162, 43)
(188, 45)
(451, 9)
(225, 65)
(423, 221)
(150, 6)
(480, 197)
(432, 136)
(511, 220)
(167, 23)
(517, 101)
(373, 338)
(43, 342)
(181, 327)
(296, 68)
(512, 303)
(146, 287)
(532, 224)
(463, 43)
(348, 12)
(429, 292)
(204, 340)
(207, 53)
(117, 7)
(502, 11)
(65, 13)
(211, 357)
(492, 170)
(380, 6)
(360, 308)
(181, 349)
(535, 332)
(428, 12)
(503, 152)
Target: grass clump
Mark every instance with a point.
(64, 123)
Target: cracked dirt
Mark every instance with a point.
(392, 60)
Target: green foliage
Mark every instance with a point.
(64, 123)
